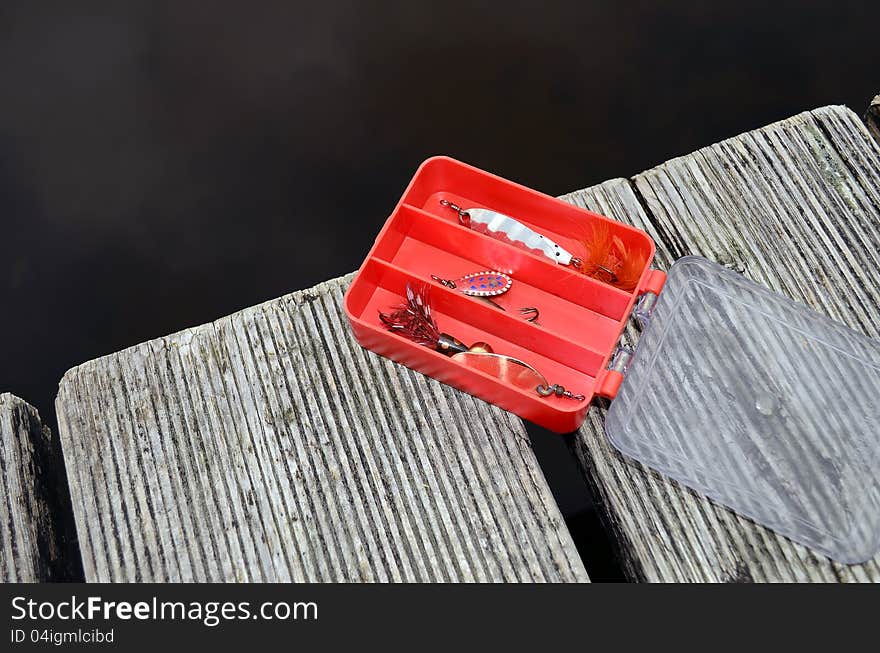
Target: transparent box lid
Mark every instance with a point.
(761, 404)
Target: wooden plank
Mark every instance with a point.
(30, 540)
(794, 206)
(268, 446)
(872, 117)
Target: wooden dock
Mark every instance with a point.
(268, 446)
(794, 206)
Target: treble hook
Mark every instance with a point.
(610, 273)
(530, 313)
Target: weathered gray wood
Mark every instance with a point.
(872, 117)
(269, 446)
(30, 542)
(794, 206)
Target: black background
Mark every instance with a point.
(165, 163)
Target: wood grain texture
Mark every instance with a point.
(872, 117)
(794, 206)
(268, 446)
(30, 543)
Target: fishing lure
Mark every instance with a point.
(503, 227)
(479, 284)
(607, 258)
(414, 320)
(485, 285)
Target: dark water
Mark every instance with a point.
(166, 163)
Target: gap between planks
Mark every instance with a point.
(37, 543)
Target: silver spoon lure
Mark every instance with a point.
(497, 224)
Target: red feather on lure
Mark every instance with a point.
(412, 319)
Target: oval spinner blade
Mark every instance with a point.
(506, 368)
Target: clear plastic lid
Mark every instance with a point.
(761, 404)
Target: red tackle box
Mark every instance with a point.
(581, 318)
(743, 394)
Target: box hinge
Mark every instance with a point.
(642, 312)
(615, 372)
(644, 308)
(654, 282)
